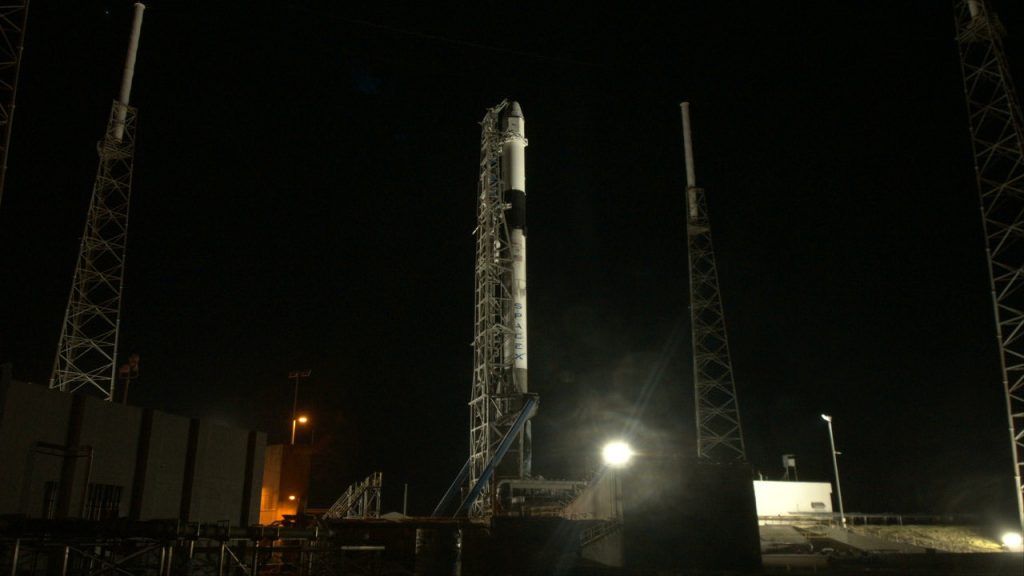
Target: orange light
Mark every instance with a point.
(303, 419)
(292, 497)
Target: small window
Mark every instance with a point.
(103, 502)
(818, 505)
(50, 490)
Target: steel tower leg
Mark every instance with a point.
(13, 16)
(997, 138)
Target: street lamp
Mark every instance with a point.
(295, 423)
(617, 454)
(296, 375)
(835, 466)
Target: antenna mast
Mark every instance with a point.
(997, 138)
(87, 350)
(719, 434)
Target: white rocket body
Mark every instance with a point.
(514, 179)
(513, 154)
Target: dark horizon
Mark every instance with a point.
(304, 198)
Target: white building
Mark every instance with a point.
(789, 499)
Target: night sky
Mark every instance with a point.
(304, 197)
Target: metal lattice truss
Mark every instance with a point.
(360, 500)
(496, 399)
(87, 351)
(12, 35)
(997, 134)
(719, 434)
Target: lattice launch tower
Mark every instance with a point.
(87, 351)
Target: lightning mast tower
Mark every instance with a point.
(997, 137)
(13, 16)
(499, 338)
(87, 350)
(719, 434)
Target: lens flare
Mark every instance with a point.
(617, 454)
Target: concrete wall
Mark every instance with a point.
(690, 516)
(286, 473)
(219, 478)
(601, 500)
(112, 432)
(25, 470)
(165, 466)
(270, 492)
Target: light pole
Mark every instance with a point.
(617, 455)
(296, 375)
(295, 423)
(835, 466)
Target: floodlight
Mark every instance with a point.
(303, 419)
(826, 417)
(1012, 540)
(617, 454)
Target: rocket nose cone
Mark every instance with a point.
(514, 110)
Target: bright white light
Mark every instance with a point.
(617, 454)
(1012, 540)
(826, 417)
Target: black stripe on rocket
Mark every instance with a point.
(517, 217)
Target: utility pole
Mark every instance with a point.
(835, 467)
(997, 139)
(87, 349)
(719, 434)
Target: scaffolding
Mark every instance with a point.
(496, 397)
(360, 500)
(169, 547)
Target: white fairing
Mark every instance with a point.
(515, 149)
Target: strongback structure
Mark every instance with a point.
(719, 434)
(87, 350)
(997, 136)
(13, 16)
(499, 335)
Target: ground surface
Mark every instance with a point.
(941, 538)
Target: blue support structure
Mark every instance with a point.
(530, 403)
